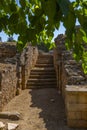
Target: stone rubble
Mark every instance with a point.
(12, 126)
(10, 115)
(8, 126)
(2, 126)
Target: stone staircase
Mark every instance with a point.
(43, 74)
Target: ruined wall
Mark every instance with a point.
(69, 72)
(59, 63)
(14, 70)
(27, 61)
(8, 82)
(7, 49)
(8, 77)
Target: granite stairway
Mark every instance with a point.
(43, 74)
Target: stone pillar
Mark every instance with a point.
(76, 106)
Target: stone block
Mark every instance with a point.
(12, 126)
(84, 115)
(2, 126)
(77, 123)
(76, 107)
(71, 98)
(82, 97)
(74, 115)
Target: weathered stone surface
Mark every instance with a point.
(76, 105)
(8, 82)
(14, 116)
(77, 123)
(12, 126)
(29, 57)
(14, 70)
(0, 100)
(2, 126)
(70, 73)
(7, 49)
(10, 115)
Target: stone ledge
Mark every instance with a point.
(76, 88)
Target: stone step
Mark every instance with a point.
(42, 80)
(45, 56)
(47, 59)
(39, 61)
(43, 69)
(43, 76)
(40, 86)
(44, 65)
(34, 72)
(32, 83)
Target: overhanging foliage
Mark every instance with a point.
(36, 20)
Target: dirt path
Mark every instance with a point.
(41, 109)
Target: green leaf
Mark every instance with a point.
(84, 62)
(4, 21)
(64, 5)
(49, 8)
(23, 3)
(85, 39)
(14, 18)
(13, 7)
(20, 46)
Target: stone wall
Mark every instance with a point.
(8, 77)
(27, 61)
(7, 49)
(69, 72)
(14, 70)
(8, 81)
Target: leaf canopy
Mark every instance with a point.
(36, 20)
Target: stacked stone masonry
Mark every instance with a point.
(72, 83)
(76, 104)
(14, 70)
(8, 82)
